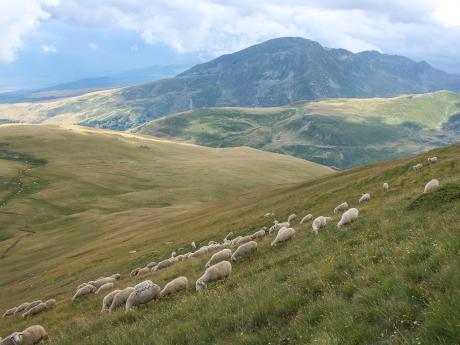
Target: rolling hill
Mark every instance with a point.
(334, 132)
(390, 277)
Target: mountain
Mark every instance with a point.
(79, 213)
(336, 132)
(82, 86)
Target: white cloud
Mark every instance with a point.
(448, 13)
(17, 18)
(49, 48)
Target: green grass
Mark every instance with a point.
(392, 277)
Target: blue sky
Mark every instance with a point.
(50, 41)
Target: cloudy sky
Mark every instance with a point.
(45, 41)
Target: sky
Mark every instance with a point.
(49, 41)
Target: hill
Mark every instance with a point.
(390, 277)
(334, 132)
(273, 73)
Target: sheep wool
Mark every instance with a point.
(347, 217)
(417, 167)
(10, 312)
(284, 234)
(319, 223)
(116, 276)
(30, 336)
(22, 307)
(193, 245)
(432, 160)
(364, 198)
(224, 254)
(134, 272)
(101, 281)
(151, 265)
(386, 187)
(342, 207)
(259, 234)
(174, 286)
(244, 250)
(431, 186)
(143, 293)
(219, 271)
(84, 291)
(269, 215)
(107, 301)
(199, 252)
(307, 218)
(291, 218)
(143, 270)
(35, 310)
(120, 298)
(106, 286)
(241, 240)
(229, 236)
(33, 304)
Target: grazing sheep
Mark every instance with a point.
(106, 286)
(193, 245)
(143, 270)
(274, 227)
(84, 291)
(143, 293)
(307, 218)
(33, 304)
(30, 336)
(241, 240)
(417, 167)
(342, 207)
(244, 250)
(21, 307)
(10, 312)
(101, 281)
(431, 186)
(134, 272)
(259, 234)
(218, 271)
(284, 234)
(211, 243)
(269, 215)
(224, 254)
(200, 252)
(173, 254)
(116, 276)
(386, 187)
(120, 298)
(229, 235)
(39, 308)
(319, 223)
(349, 216)
(432, 160)
(291, 218)
(364, 198)
(108, 299)
(174, 286)
(151, 265)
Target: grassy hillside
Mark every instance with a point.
(392, 277)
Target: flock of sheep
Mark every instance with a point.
(218, 267)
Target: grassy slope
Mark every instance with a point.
(390, 278)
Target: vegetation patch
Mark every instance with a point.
(440, 198)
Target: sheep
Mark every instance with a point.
(211, 243)
(307, 218)
(319, 223)
(10, 312)
(284, 234)
(143, 293)
(291, 218)
(85, 290)
(219, 271)
(273, 228)
(199, 252)
(364, 198)
(173, 254)
(259, 234)
(193, 245)
(108, 299)
(21, 307)
(120, 298)
(101, 281)
(151, 265)
(116, 276)
(432, 160)
(431, 186)
(30, 336)
(224, 254)
(229, 235)
(417, 167)
(241, 240)
(269, 215)
(106, 286)
(386, 187)
(342, 207)
(348, 217)
(244, 250)
(142, 271)
(174, 286)
(134, 272)
(33, 304)
(39, 308)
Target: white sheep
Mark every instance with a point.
(173, 254)
(108, 299)
(364, 198)
(39, 308)
(342, 207)
(30, 336)
(319, 223)
(245, 249)
(229, 236)
(116, 276)
(143, 293)
(224, 254)
(200, 252)
(10, 312)
(151, 265)
(386, 187)
(259, 234)
(135, 272)
(33, 304)
(269, 215)
(307, 218)
(241, 240)
(106, 286)
(219, 271)
(283, 235)
(431, 186)
(163, 264)
(174, 286)
(193, 245)
(432, 160)
(21, 307)
(291, 218)
(142, 271)
(417, 167)
(101, 281)
(120, 298)
(84, 291)
(347, 217)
